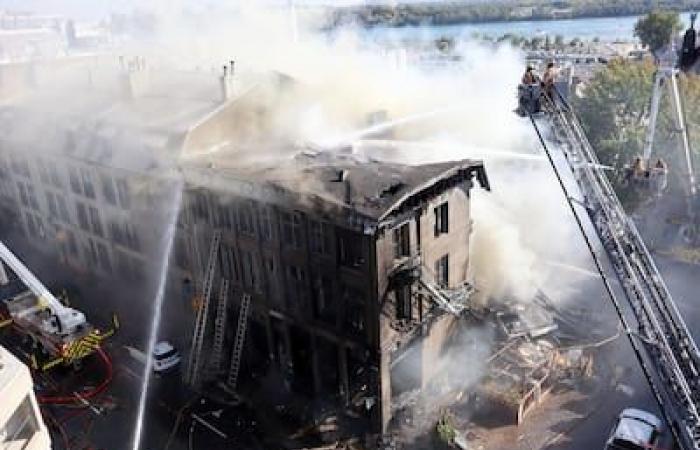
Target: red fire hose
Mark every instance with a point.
(76, 398)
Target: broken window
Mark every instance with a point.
(108, 190)
(291, 229)
(350, 249)
(123, 193)
(324, 306)
(403, 302)
(402, 241)
(296, 286)
(88, 188)
(354, 317)
(228, 263)
(320, 237)
(442, 270)
(62, 208)
(246, 225)
(95, 220)
(251, 276)
(75, 185)
(82, 216)
(441, 219)
(266, 223)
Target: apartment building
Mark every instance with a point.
(351, 264)
(357, 269)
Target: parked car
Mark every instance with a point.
(635, 430)
(165, 357)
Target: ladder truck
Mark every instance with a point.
(58, 334)
(663, 346)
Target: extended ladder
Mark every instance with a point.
(219, 330)
(238, 344)
(193, 366)
(670, 349)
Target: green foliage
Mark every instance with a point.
(614, 112)
(656, 28)
(459, 11)
(445, 429)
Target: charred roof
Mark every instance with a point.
(333, 180)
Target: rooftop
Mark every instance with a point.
(374, 189)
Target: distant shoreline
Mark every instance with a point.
(428, 15)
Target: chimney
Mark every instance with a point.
(135, 78)
(227, 82)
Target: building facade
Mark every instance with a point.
(357, 269)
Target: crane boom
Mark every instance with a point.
(671, 361)
(67, 320)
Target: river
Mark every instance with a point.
(607, 29)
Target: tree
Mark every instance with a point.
(656, 29)
(614, 112)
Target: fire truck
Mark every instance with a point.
(53, 333)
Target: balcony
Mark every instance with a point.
(411, 270)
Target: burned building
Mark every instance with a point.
(350, 265)
(347, 272)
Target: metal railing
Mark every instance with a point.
(670, 349)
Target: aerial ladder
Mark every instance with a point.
(192, 371)
(219, 330)
(237, 353)
(644, 171)
(667, 354)
(60, 333)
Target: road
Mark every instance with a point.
(632, 389)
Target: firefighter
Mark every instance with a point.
(659, 176)
(529, 76)
(548, 79)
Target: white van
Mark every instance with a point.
(635, 430)
(165, 357)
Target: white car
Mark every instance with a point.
(165, 357)
(635, 430)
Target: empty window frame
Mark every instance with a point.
(442, 270)
(229, 263)
(404, 304)
(246, 222)
(123, 193)
(95, 221)
(108, 190)
(442, 219)
(88, 186)
(320, 237)
(292, 233)
(82, 214)
(402, 240)
(350, 252)
(74, 179)
(324, 306)
(265, 218)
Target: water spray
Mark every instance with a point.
(156, 313)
